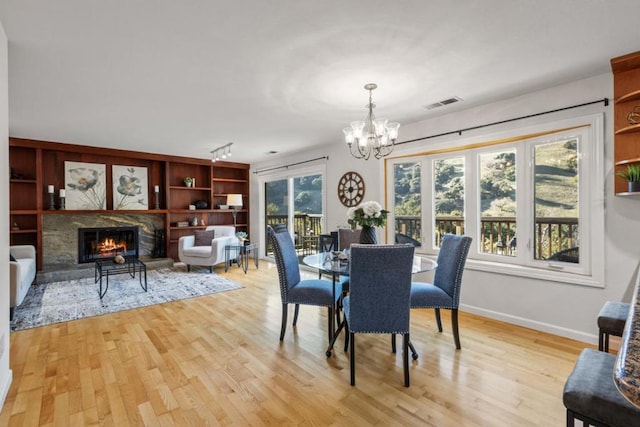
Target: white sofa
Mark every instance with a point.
(22, 273)
(207, 255)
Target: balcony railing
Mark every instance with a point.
(304, 225)
(552, 234)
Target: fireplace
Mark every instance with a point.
(106, 242)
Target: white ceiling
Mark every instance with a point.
(184, 77)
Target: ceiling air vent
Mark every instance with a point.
(443, 103)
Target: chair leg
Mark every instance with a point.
(188, 268)
(438, 321)
(346, 336)
(454, 326)
(12, 311)
(393, 343)
(283, 328)
(405, 358)
(606, 342)
(330, 323)
(295, 314)
(600, 340)
(414, 353)
(352, 358)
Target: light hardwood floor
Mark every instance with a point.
(217, 360)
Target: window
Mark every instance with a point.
(407, 202)
(448, 183)
(532, 204)
(498, 202)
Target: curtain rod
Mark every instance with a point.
(291, 164)
(459, 131)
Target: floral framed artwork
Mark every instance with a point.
(130, 187)
(85, 185)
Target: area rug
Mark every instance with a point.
(74, 299)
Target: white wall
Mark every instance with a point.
(562, 309)
(5, 372)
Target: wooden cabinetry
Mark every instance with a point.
(626, 92)
(212, 184)
(25, 196)
(37, 164)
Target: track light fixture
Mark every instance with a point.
(221, 152)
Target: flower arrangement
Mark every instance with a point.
(242, 235)
(367, 214)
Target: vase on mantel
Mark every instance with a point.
(368, 235)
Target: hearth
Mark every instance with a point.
(106, 242)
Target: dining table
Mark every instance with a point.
(336, 263)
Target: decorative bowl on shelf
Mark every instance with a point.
(224, 206)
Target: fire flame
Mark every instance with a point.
(110, 245)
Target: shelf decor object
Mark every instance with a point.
(371, 135)
(62, 197)
(52, 202)
(235, 202)
(156, 191)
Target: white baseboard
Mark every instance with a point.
(4, 388)
(533, 324)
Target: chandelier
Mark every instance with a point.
(371, 135)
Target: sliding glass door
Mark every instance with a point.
(298, 202)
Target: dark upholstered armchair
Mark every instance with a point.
(293, 290)
(447, 280)
(379, 296)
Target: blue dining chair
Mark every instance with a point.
(379, 296)
(293, 290)
(447, 280)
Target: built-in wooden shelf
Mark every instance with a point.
(181, 187)
(631, 96)
(628, 161)
(22, 181)
(100, 212)
(24, 231)
(23, 212)
(229, 180)
(628, 129)
(41, 163)
(626, 93)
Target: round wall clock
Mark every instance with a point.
(351, 189)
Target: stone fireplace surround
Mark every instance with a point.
(60, 235)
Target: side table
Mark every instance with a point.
(241, 254)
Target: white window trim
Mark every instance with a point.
(592, 160)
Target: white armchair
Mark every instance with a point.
(22, 273)
(207, 255)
